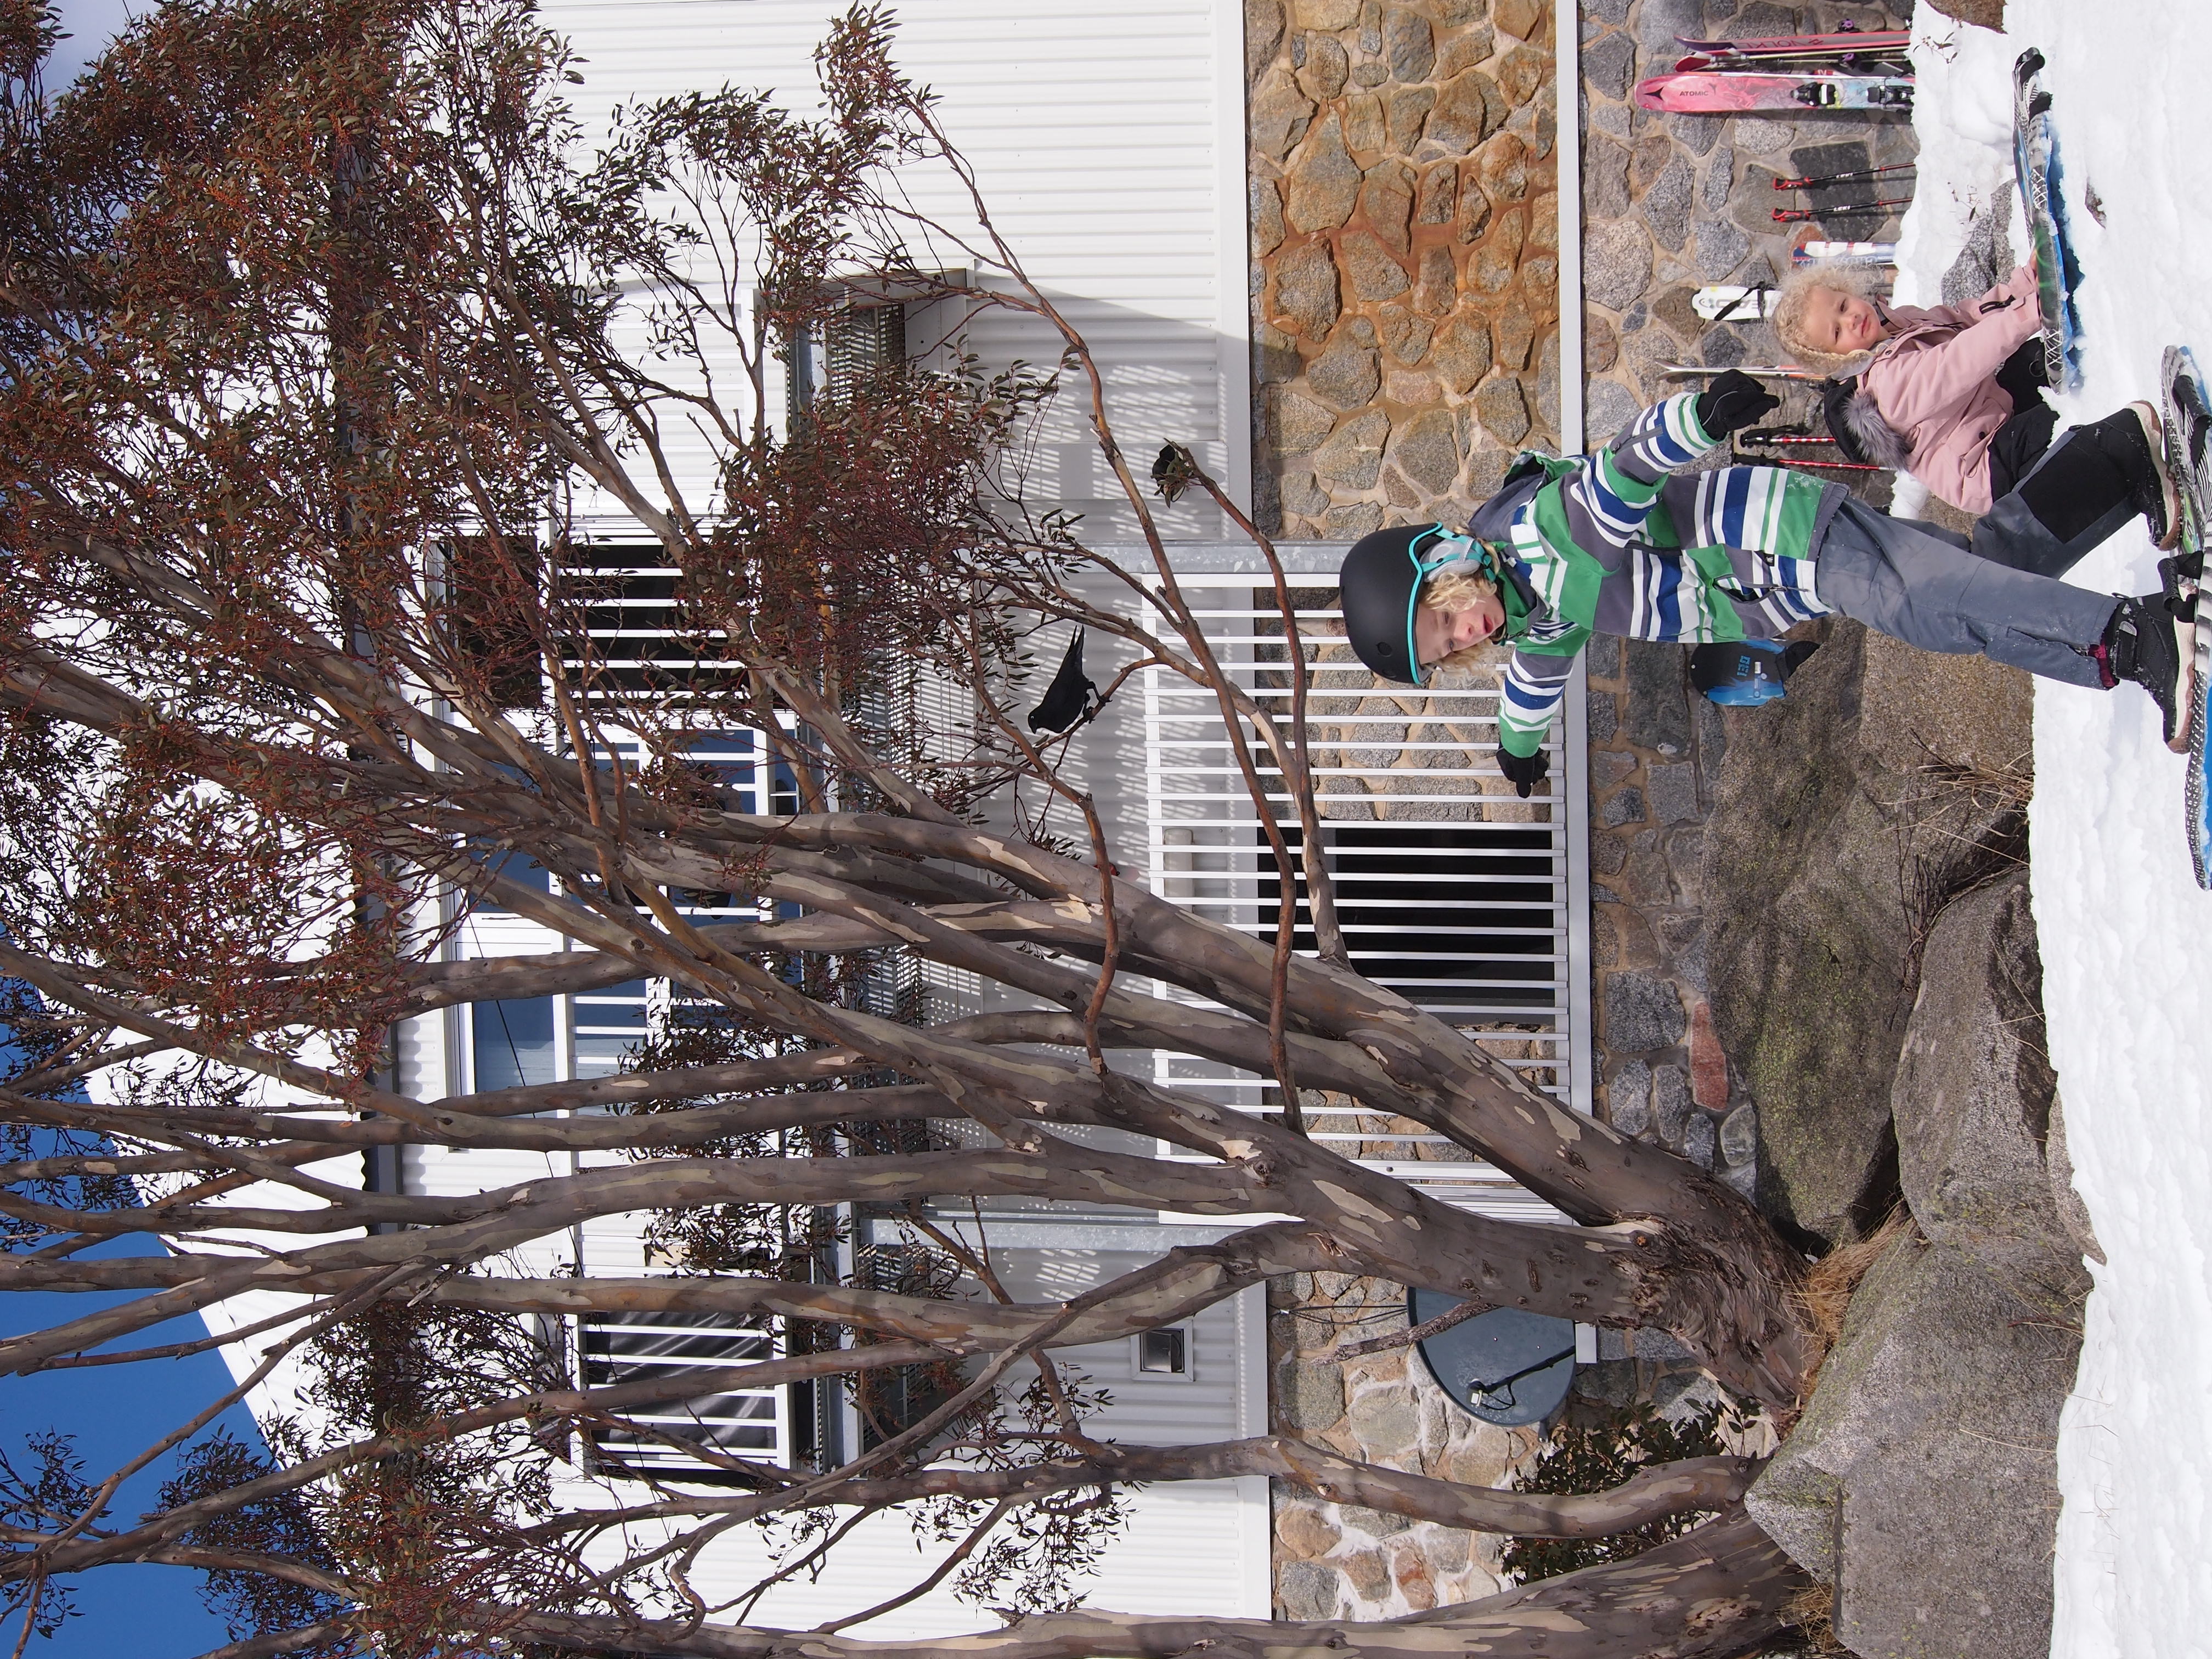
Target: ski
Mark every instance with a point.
(1860, 175)
(2035, 166)
(1802, 216)
(1843, 253)
(2187, 419)
(1718, 91)
(1732, 302)
(1833, 62)
(1792, 45)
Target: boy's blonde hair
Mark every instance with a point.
(1456, 589)
(1789, 313)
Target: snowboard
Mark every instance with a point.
(1885, 43)
(1728, 92)
(2035, 164)
(2188, 422)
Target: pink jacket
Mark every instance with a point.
(1934, 382)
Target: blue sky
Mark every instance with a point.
(116, 1411)
(91, 24)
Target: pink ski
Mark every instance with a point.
(1713, 92)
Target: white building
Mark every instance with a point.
(1110, 142)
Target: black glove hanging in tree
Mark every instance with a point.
(1070, 697)
(1524, 772)
(1732, 402)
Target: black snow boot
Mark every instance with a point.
(2143, 443)
(2141, 643)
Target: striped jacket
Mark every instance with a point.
(1612, 544)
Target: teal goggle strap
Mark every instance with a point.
(1444, 548)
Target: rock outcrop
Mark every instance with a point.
(1921, 1480)
(1842, 817)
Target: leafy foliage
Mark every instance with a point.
(278, 1528)
(47, 1492)
(1601, 1455)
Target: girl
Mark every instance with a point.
(1953, 395)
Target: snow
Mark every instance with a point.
(2122, 922)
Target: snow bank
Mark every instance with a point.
(2124, 926)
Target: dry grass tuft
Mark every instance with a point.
(1811, 1610)
(1825, 1296)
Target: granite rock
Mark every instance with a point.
(1323, 182)
(1972, 1100)
(1643, 1012)
(1920, 1481)
(1279, 114)
(1425, 449)
(1467, 111)
(1325, 68)
(1308, 293)
(1503, 408)
(1616, 263)
(1373, 273)
(1409, 43)
(1462, 350)
(1352, 456)
(1344, 376)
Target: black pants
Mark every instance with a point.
(2069, 496)
(2020, 442)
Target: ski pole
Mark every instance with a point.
(1799, 215)
(1843, 177)
(1760, 371)
(1827, 466)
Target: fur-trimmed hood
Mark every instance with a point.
(1879, 442)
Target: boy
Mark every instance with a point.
(1613, 546)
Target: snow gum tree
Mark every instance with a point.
(320, 330)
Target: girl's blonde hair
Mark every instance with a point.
(1451, 589)
(1789, 313)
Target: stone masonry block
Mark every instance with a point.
(1643, 1012)
(1323, 182)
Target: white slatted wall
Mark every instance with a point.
(1464, 899)
(1108, 142)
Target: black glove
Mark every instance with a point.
(1732, 402)
(1525, 772)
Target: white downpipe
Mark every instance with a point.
(1567, 156)
(1233, 304)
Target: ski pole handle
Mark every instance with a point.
(1815, 182)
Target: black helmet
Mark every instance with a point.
(1380, 580)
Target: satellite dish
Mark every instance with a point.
(1507, 1366)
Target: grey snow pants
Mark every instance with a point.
(1919, 584)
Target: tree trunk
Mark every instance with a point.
(1714, 1593)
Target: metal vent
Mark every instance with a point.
(637, 1347)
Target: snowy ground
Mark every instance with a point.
(2126, 935)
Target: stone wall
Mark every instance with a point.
(1338, 1560)
(1404, 239)
(1672, 204)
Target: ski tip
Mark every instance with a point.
(2028, 64)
